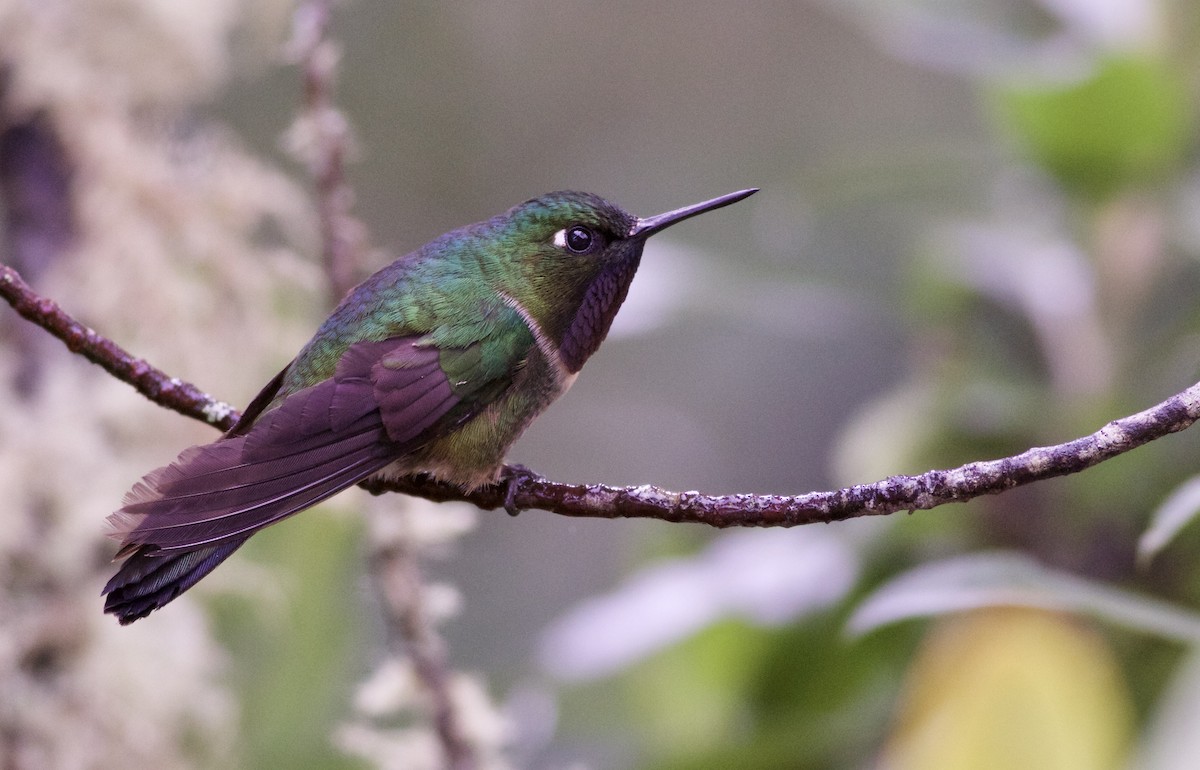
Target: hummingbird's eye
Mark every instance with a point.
(577, 239)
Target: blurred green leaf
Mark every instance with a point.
(694, 697)
(800, 698)
(295, 659)
(1124, 125)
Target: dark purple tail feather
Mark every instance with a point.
(150, 578)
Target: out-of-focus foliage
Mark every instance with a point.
(1011, 688)
(1067, 298)
(1124, 123)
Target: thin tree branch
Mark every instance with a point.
(397, 576)
(895, 493)
(325, 139)
(151, 382)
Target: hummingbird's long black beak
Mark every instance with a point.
(644, 228)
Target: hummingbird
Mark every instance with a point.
(433, 365)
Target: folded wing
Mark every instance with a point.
(182, 520)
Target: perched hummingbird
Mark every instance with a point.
(435, 364)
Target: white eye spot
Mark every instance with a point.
(560, 239)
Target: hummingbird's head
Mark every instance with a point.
(574, 256)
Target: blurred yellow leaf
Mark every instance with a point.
(1012, 688)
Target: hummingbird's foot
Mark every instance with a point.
(513, 476)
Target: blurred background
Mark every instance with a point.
(977, 233)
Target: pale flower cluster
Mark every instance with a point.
(169, 258)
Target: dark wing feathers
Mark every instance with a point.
(259, 403)
(411, 405)
(181, 521)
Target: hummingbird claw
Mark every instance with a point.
(514, 476)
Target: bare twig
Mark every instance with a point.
(397, 576)
(896, 493)
(151, 382)
(324, 148)
(35, 179)
(395, 570)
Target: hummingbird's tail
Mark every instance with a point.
(150, 578)
(183, 520)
